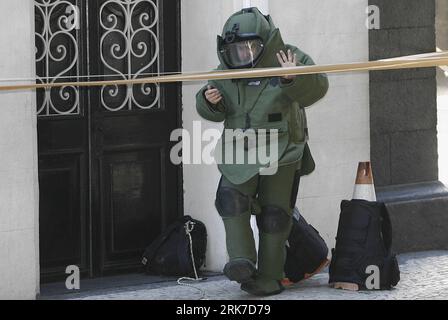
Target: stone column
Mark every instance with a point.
(403, 120)
(19, 260)
(442, 90)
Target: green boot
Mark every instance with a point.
(240, 248)
(241, 270)
(260, 286)
(272, 255)
(271, 259)
(274, 227)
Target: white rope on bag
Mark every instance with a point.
(189, 226)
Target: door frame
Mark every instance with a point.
(86, 100)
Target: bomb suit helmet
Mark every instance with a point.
(244, 37)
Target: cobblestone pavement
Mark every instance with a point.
(424, 275)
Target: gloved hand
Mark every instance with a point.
(213, 95)
(287, 61)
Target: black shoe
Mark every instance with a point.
(240, 270)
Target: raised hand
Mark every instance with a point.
(286, 61)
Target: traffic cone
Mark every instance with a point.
(364, 190)
(364, 187)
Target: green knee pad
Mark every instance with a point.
(274, 228)
(239, 237)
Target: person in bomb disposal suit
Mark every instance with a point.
(250, 40)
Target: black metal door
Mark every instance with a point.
(107, 186)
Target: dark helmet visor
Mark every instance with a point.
(242, 53)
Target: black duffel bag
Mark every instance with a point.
(172, 253)
(306, 251)
(364, 239)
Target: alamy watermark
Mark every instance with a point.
(373, 280)
(233, 146)
(72, 282)
(373, 17)
(72, 19)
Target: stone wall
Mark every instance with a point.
(19, 259)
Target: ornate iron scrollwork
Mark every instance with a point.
(129, 49)
(57, 56)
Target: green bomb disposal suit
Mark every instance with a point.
(264, 103)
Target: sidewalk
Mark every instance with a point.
(424, 275)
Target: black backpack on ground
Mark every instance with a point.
(170, 254)
(364, 238)
(306, 251)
